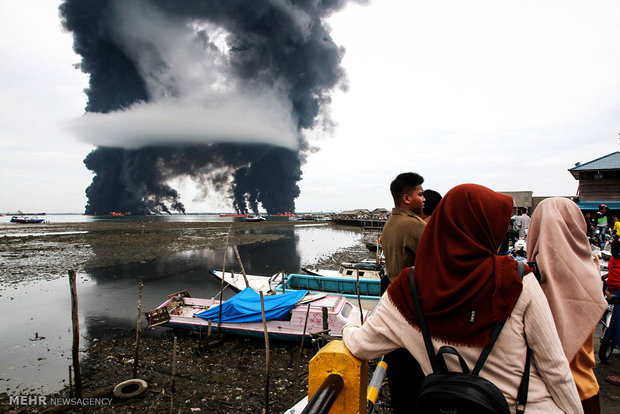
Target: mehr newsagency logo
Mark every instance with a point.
(43, 400)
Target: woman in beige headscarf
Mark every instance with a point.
(557, 242)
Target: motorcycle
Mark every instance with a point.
(519, 251)
(607, 345)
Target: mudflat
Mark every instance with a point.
(49, 250)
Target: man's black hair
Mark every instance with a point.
(403, 183)
(431, 199)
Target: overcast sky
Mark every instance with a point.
(507, 94)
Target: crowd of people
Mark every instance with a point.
(467, 286)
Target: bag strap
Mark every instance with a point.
(534, 266)
(525, 379)
(487, 349)
(496, 330)
(525, 383)
(425, 334)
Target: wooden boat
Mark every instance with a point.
(236, 281)
(241, 314)
(365, 270)
(26, 220)
(369, 289)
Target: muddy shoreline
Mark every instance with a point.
(226, 378)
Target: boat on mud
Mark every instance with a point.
(289, 316)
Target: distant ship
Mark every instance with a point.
(234, 215)
(26, 220)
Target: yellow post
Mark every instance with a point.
(335, 358)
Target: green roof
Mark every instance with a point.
(606, 162)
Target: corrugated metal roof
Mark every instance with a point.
(606, 162)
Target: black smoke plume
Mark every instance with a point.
(277, 55)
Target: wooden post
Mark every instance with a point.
(283, 281)
(174, 365)
(262, 308)
(208, 333)
(70, 382)
(359, 298)
(325, 321)
(135, 357)
(245, 277)
(219, 319)
(76, 335)
(301, 347)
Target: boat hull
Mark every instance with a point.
(26, 220)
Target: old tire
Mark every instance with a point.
(129, 389)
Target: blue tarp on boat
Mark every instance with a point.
(245, 307)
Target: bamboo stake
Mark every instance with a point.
(283, 281)
(262, 308)
(301, 347)
(76, 335)
(208, 333)
(219, 319)
(135, 357)
(174, 365)
(359, 298)
(245, 277)
(324, 311)
(70, 383)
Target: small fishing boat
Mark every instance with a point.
(369, 289)
(236, 281)
(286, 314)
(365, 270)
(26, 220)
(255, 218)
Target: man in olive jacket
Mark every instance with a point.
(400, 238)
(403, 230)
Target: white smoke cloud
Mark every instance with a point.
(237, 119)
(193, 96)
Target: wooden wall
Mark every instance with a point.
(606, 188)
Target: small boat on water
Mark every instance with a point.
(286, 314)
(26, 220)
(369, 289)
(365, 270)
(255, 218)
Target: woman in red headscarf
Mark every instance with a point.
(465, 288)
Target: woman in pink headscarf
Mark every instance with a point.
(558, 243)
